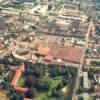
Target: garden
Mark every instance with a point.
(47, 81)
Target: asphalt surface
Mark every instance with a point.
(82, 60)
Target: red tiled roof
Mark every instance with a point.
(25, 98)
(20, 89)
(17, 75)
(87, 62)
(28, 99)
(98, 88)
(97, 95)
(43, 50)
(12, 68)
(1, 65)
(48, 58)
(97, 75)
(67, 53)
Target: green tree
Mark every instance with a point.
(80, 98)
(55, 71)
(91, 89)
(56, 93)
(38, 71)
(44, 84)
(60, 86)
(14, 96)
(30, 81)
(90, 74)
(73, 71)
(49, 7)
(1, 71)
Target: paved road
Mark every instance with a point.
(92, 94)
(82, 59)
(6, 52)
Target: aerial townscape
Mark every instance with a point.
(49, 49)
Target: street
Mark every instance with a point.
(82, 61)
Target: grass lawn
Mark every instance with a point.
(46, 95)
(21, 81)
